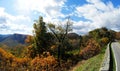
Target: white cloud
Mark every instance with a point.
(1, 11)
(82, 27)
(51, 9)
(95, 13)
(93, 1)
(98, 14)
(14, 24)
(26, 9)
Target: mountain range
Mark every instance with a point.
(12, 40)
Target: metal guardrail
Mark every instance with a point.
(116, 53)
(106, 62)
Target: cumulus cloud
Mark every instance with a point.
(98, 14)
(13, 24)
(26, 9)
(91, 15)
(50, 9)
(81, 27)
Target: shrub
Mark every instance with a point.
(104, 41)
(90, 50)
(9, 62)
(40, 63)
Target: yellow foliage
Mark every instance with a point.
(105, 40)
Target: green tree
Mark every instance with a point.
(104, 32)
(95, 34)
(112, 35)
(39, 36)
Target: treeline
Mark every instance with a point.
(96, 40)
(53, 48)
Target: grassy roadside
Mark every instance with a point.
(94, 63)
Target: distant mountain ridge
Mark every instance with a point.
(73, 36)
(13, 40)
(2, 37)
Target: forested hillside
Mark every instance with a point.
(53, 50)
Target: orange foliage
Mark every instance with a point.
(30, 51)
(29, 39)
(18, 62)
(5, 56)
(8, 62)
(90, 50)
(44, 63)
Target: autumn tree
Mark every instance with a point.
(112, 35)
(117, 35)
(95, 34)
(92, 48)
(102, 33)
(60, 33)
(29, 39)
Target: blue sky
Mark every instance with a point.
(17, 16)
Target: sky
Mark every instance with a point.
(17, 16)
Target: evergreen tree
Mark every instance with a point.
(40, 36)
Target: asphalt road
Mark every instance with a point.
(116, 51)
